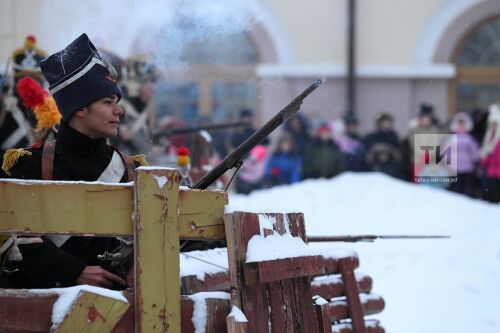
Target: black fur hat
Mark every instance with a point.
(78, 76)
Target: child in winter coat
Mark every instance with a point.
(490, 154)
(250, 176)
(467, 153)
(323, 159)
(284, 166)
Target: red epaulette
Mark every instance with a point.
(35, 145)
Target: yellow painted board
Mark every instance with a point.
(64, 207)
(157, 292)
(99, 209)
(201, 214)
(92, 313)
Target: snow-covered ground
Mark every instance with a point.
(444, 285)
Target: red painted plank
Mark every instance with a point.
(334, 287)
(281, 269)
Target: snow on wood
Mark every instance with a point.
(338, 328)
(369, 297)
(60, 182)
(200, 308)
(162, 180)
(274, 246)
(154, 168)
(277, 247)
(238, 315)
(336, 252)
(201, 263)
(68, 295)
(326, 279)
(266, 222)
(318, 300)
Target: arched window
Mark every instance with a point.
(477, 84)
(207, 74)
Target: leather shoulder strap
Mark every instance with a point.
(129, 164)
(49, 149)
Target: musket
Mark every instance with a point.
(186, 130)
(235, 157)
(370, 238)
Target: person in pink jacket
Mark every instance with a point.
(467, 153)
(490, 154)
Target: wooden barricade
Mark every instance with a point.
(154, 210)
(158, 213)
(279, 292)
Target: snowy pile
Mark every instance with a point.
(442, 285)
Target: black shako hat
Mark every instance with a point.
(78, 76)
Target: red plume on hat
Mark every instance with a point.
(35, 97)
(183, 159)
(31, 92)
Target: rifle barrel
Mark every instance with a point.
(235, 156)
(370, 238)
(185, 130)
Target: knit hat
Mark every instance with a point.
(78, 76)
(461, 117)
(426, 110)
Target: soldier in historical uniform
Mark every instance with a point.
(86, 92)
(26, 60)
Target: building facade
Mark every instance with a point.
(261, 54)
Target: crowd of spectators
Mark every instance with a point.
(306, 151)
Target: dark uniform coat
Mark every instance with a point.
(44, 265)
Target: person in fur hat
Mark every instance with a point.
(85, 90)
(490, 154)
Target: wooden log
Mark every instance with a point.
(339, 308)
(323, 317)
(234, 326)
(217, 311)
(187, 309)
(306, 317)
(126, 324)
(240, 227)
(347, 266)
(212, 282)
(282, 305)
(156, 251)
(26, 311)
(334, 287)
(296, 225)
(372, 326)
(91, 312)
(281, 269)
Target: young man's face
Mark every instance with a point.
(101, 118)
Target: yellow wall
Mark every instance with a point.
(388, 30)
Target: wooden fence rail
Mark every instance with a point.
(161, 212)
